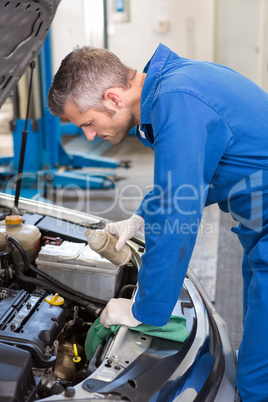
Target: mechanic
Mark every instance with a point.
(208, 126)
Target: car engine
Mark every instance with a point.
(50, 295)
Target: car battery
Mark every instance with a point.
(81, 269)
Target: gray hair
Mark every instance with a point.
(83, 77)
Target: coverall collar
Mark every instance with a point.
(152, 70)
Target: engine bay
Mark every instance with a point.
(50, 295)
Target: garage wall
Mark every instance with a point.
(238, 35)
(230, 32)
(185, 26)
(78, 25)
(67, 30)
(263, 59)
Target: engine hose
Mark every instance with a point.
(53, 288)
(5, 253)
(4, 256)
(125, 289)
(63, 288)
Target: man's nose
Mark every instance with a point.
(89, 133)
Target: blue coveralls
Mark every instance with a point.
(208, 126)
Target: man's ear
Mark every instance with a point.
(114, 97)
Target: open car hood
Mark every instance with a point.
(24, 25)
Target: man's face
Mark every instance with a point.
(100, 124)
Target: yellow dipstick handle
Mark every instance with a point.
(76, 358)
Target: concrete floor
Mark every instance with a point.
(217, 256)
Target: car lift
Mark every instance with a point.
(47, 163)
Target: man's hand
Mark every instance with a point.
(125, 230)
(118, 312)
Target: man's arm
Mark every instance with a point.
(190, 139)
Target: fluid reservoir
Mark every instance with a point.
(27, 235)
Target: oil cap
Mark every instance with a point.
(55, 300)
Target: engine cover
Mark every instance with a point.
(17, 383)
(29, 322)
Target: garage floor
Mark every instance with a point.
(217, 256)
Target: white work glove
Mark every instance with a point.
(119, 312)
(125, 230)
